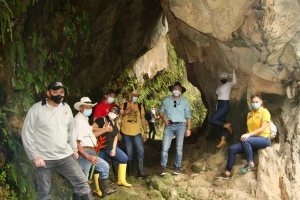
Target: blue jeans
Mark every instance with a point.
(102, 166)
(137, 141)
(69, 168)
(251, 144)
(170, 131)
(120, 156)
(218, 118)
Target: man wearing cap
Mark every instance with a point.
(218, 118)
(49, 142)
(131, 132)
(175, 113)
(85, 143)
(102, 109)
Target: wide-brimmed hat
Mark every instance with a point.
(83, 101)
(135, 93)
(223, 75)
(177, 84)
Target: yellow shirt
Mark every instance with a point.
(131, 123)
(255, 118)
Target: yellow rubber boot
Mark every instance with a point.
(222, 143)
(122, 175)
(98, 191)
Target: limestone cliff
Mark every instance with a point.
(261, 40)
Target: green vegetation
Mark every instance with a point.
(30, 77)
(154, 90)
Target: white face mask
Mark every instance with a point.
(176, 93)
(112, 115)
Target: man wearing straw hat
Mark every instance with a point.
(86, 140)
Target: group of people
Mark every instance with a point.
(57, 142)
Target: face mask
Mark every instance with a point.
(223, 81)
(135, 99)
(57, 99)
(110, 100)
(255, 105)
(87, 113)
(176, 93)
(112, 115)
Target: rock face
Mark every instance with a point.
(261, 40)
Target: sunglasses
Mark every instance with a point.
(175, 104)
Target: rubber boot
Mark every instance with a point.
(129, 168)
(87, 196)
(104, 187)
(228, 127)
(141, 169)
(122, 176)
(222, 143)
(98, 191)
(76, 196)
(115, 168)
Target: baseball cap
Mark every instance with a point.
(56, 85)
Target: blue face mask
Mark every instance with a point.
(255, 105)
(135, 99)
(87, 113)
(110, 100)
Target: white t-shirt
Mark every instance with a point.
(153, 116)
(223, 91)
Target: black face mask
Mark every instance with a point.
(223, 81)
(57, 99)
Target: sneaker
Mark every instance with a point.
(247, 168)
(163, 171)
(223, 176)
(176, 171)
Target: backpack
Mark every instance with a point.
(148, 115)
(273, 128)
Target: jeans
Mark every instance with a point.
(102, 166)
(170, 131)
(218, 118)
(120, 156)
(69, 168)
(251, 144)
(137, 140)
(152, 129)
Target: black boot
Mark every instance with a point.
(76, 196)
(129, 168)
(115, 168)
(104, 187)
(87, 196)
(141, 169)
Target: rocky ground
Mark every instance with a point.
(201, 163)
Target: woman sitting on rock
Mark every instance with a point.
(257, 137)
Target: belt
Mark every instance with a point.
(89, 148)
(223, 100)
(175, 122)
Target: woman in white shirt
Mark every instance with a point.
(218, 118)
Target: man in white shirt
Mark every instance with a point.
(86, 141)
(49, 142)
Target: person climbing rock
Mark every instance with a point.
(218, 118)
